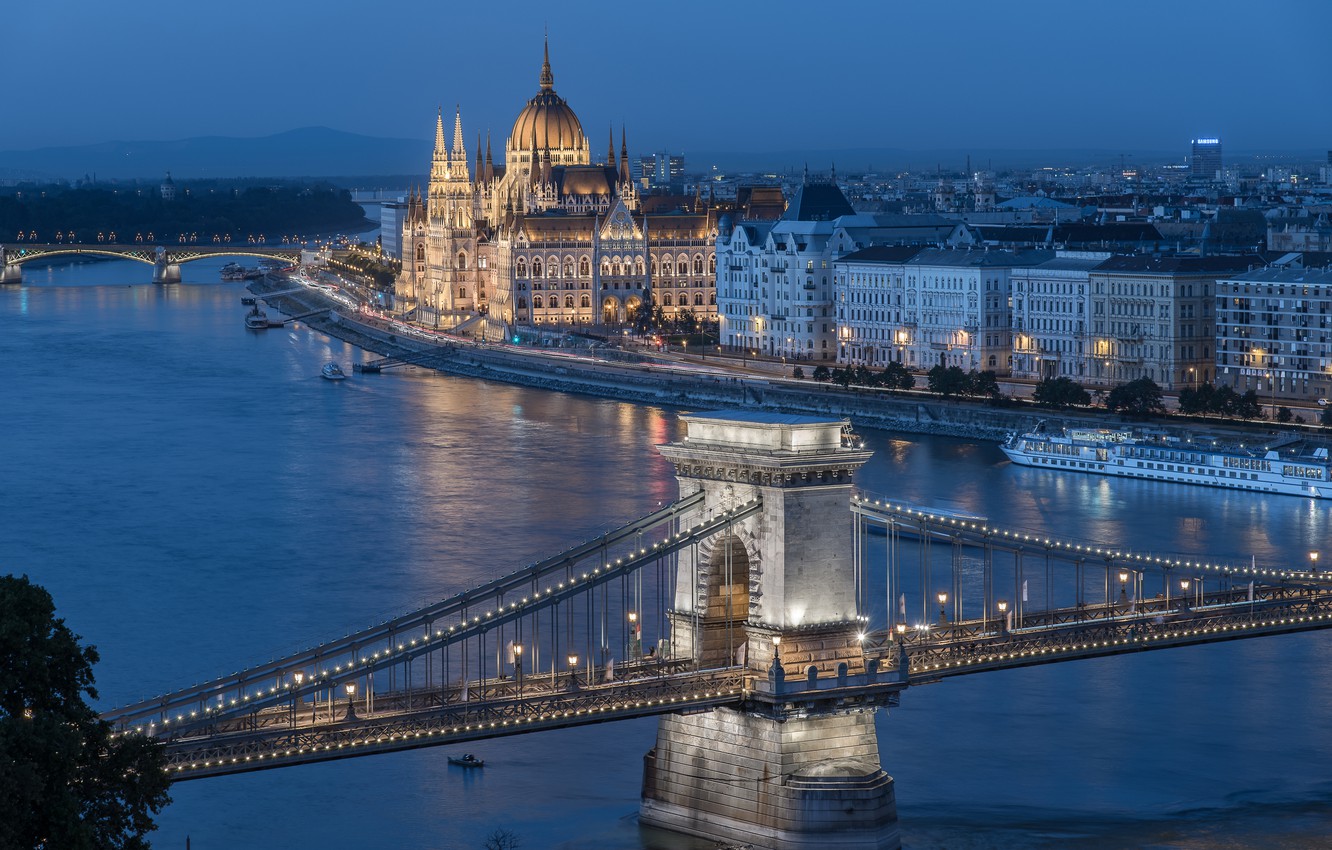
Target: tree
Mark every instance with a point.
(66, 782)
(984, 383)
(1326, 418)
(502, 839)
(896, 377)
(1248, 406)
(1197, 400)
(948, 381)
(1060, 393)
(797, 372)
(821, 373)
(1136, 398)
(1284, 414)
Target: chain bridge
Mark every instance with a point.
(762, 621)
(165, 261)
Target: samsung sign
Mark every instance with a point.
(1207, 141)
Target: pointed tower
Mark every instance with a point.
(439, 169)
(625, 179)
(610, 147)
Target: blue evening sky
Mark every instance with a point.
(1033, 74)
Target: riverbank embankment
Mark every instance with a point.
(671, 384)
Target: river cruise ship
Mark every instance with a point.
(1293, 470)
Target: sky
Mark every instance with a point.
(682, 75)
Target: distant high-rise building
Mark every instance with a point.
(1205, 163)
(662, 170)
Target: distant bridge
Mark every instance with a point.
(165, 261)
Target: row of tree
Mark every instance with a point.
(240, 212)
(1140, 398)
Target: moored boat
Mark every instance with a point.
(1293, 470)
(467, 760)
(333, 372)
(256, 319)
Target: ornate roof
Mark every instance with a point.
(555, 124)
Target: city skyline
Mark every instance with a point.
(709, 78)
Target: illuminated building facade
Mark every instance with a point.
(548, 236)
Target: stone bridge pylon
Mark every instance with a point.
(776, 592)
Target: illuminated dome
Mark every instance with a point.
(555, 124)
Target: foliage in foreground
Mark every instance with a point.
(66, 782)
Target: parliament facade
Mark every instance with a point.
(550, 236)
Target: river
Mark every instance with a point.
(197, 499)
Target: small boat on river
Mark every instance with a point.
(333, 372)
(256, 319)
(467, 760)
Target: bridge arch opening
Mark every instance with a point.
(726, 602)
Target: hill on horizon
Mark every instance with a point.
(324, 152)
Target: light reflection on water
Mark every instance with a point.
(197, 499)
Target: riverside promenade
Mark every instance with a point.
(676, 381)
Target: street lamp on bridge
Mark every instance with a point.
(518, 667)
(1002, 605)
(1123, 587)
(351, 693)
(943, 600)
(1313, 562)
(573, 670)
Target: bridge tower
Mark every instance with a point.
(776, 592)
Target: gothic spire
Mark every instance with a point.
(490, 163)
(624, 157)
(610, 148)
(441, 150)
(547, 79)
(480, 172)
(459, 150)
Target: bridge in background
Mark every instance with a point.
(166, 262)
(693, 613)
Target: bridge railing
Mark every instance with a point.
(542, 620)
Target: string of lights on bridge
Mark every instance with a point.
(478, 623)
(1062, 545)
(1137, 639)
(552, 717)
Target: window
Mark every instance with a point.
(587, 301)
(522, 303)
(420, 253)
(462, 260)
(536, 267)
(537, 302)
(584, 267)
(698, 264)
(568, 301)
(666, 299)
(568, 267)
(522, 267)
(698, 299)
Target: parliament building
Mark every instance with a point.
(549, 236)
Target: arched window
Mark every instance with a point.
(666, 299)
(568, 267)
(568, 301)
(584, 267)
(712, 263)
(698, 264)
(682, 265)
(420, 253)
(522, 267)
(653, 265)
(605, 268)
(536, 267)
(993, 360)
(712, 298)
(587, 301)
(698, 299)
(522, 303)
(537, 302)
(462, 292)
(462, 260)
(638, 266)
(667, 267)
(553, 267)
(617, 269)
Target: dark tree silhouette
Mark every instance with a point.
(65, 781)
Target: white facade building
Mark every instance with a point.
(1050, 316)
(936, 308)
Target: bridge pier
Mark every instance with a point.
(164, 271)
(778, 588)
(9, 272)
